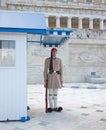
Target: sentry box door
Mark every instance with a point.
(13, 90)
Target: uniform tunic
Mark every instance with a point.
(54, 79)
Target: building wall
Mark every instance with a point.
(94, 2)
(87, 55)
(82, 53)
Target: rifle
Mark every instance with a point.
(46, 98)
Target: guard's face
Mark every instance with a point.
(54, 53)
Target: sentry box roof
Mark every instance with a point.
(18, 21)
(31, 23)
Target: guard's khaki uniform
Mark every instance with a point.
(54, 79)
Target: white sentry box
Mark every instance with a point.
(14, 27)
(13, 84)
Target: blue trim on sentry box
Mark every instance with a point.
(24, 30)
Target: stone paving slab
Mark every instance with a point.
(4, 126)
(83, 109)
(38, 127)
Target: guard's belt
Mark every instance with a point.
(50, 72)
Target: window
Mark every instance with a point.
(63, 22)
(85, 22)
(52, 22)
(88, 1)
(7, 53)
(75, 22)
(96, 23)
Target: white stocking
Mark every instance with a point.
(53, 98)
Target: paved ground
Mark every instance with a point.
(84, 109)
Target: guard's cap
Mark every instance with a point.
(53, 49)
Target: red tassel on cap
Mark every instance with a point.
(53, 49)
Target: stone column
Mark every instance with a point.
(69, 22)
(80, 23)
(101, 24)
(47, 21)
(91, 23)
(57, 22)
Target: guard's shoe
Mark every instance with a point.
(58, 109)
(49, 109)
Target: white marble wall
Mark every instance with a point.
(81, 55)
(84, 59)
(87, 53)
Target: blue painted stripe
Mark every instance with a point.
(24, 30)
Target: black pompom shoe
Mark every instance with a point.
(58, 109)
(49, 109)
